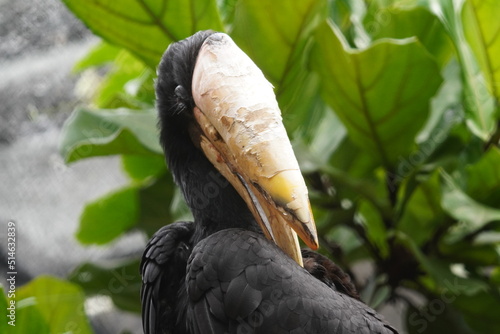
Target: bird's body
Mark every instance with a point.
(220, 274)
(236, 281)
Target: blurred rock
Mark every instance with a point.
(29, 26)
(41, 40)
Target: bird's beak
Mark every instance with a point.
(240, 130)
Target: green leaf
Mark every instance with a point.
(374, 227)
(340, 14)
(472, 254)
(381, 94)
(29, 319)
(380, 296)
(140, 167)
(479, 107)
(446, 110)
(88, 133)
(422, 214)
(101, 54)
(120, 281)
(355, 188)
(443, 279)
(226, 10)
(480, 311)
(482, 30)
(325, 139)
(495, 276)
(50, 305)
(404, 22)
(108, 217)
(281, 26)
(158, 204)
(146, 27)
(483, 178)
(148, 205)
(350, 240)
(118, 87)
(471, 215)
(356, 34)
(350, 158)
(128, 81)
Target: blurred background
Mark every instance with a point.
(41, 41)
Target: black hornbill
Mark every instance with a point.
(238, 267)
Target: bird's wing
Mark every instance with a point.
(162, 268)
(239, 282)
(329, 273)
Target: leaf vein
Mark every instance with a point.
(487, 57)
(157, 21)
(493, 39)
(367, 116)
(289, 62)
(120, 15)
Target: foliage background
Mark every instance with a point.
(393, 110)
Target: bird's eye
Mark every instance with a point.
(181, 93)
(181, 99)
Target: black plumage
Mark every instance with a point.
(219, 274)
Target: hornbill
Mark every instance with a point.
(238, 267)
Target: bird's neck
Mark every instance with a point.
(214, 202)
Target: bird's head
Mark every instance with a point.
(212, 96)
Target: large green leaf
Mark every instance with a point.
(483, 178)
(356, 33)
(355, 188)
(472, 253)
(273, 33)
(403, 22)
(121, 86)
(436, 146)
(120, 281)
(326, 138)
(471, 214)
(479, 106)
(146, 27)
(88, 133)
(142, 167)
(381, 94)
(149, 204)
(446, 110)
(374, 227)
(482, 30)
(50, 305)
(29, 319)
(353, 160)
(128, 83)
(340, 13)
(160, 204)
(226, 10)
(108, 217)
(422, 214)
(100, 54)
